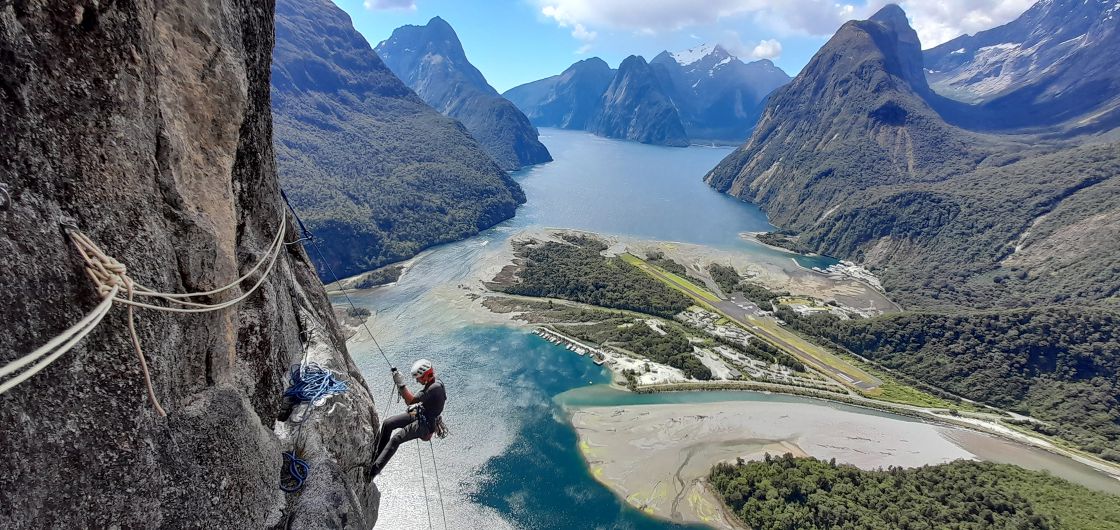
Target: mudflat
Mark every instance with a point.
(658, 456)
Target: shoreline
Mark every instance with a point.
(628, 447)
(660, 382)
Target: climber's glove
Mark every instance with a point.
(398, 379)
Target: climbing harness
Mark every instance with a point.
(441, 429)
(110, 277)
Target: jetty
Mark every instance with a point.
(572, 344)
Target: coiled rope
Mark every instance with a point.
(110, 276)
(298, 471)
(311, 382)
(306, 235)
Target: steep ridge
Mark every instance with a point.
(568, 100)
(718, 95)
(636, 107)
(377, 174)
(853, 118)
(713, 95)
(1054, 64)
(430, 59)
(999, 240)
(147, 125)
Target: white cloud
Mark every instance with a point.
(375, 5)
(814, 17)
(937, 21)
(767, 49)
(581, 33)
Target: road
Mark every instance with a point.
(742, 312)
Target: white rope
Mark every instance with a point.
(63, 342)
(105, 271)
(110, 276)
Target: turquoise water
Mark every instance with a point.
(512, 460)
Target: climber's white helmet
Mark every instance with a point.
(423, 371)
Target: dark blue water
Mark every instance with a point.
(512, 460)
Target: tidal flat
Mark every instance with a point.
(657, 456)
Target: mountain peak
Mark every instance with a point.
(699, 53)
(633, 61)
(889, 13)
(440, 25)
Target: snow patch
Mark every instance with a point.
(693, 55)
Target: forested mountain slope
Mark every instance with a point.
(855, 159)
(377, 174)
(567, 101)
(852, 156)
(431, 60)
(636, 107)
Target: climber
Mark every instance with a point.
(422, 419)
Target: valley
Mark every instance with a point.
(822, 266)
(445, 291)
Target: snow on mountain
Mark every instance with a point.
(693, 55)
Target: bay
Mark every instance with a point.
(512, 460)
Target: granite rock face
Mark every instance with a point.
(147, 125)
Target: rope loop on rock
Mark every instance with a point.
(109, 276)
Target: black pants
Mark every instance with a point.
(410, 429)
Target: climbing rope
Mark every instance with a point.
(424, 484)
(59, 345)
(298, 471)
(308, 236)
(110, 276)
(312, 382)
(439, 488)
(105, 272)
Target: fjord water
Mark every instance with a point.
(512, 460)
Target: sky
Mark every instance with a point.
(517, 41)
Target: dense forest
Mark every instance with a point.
(576, 270)
(376, 174)
(672, 348)
(787, 493)
(730, 281)
(1059, 365)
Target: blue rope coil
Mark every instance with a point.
(312, 382)
(298, 471)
